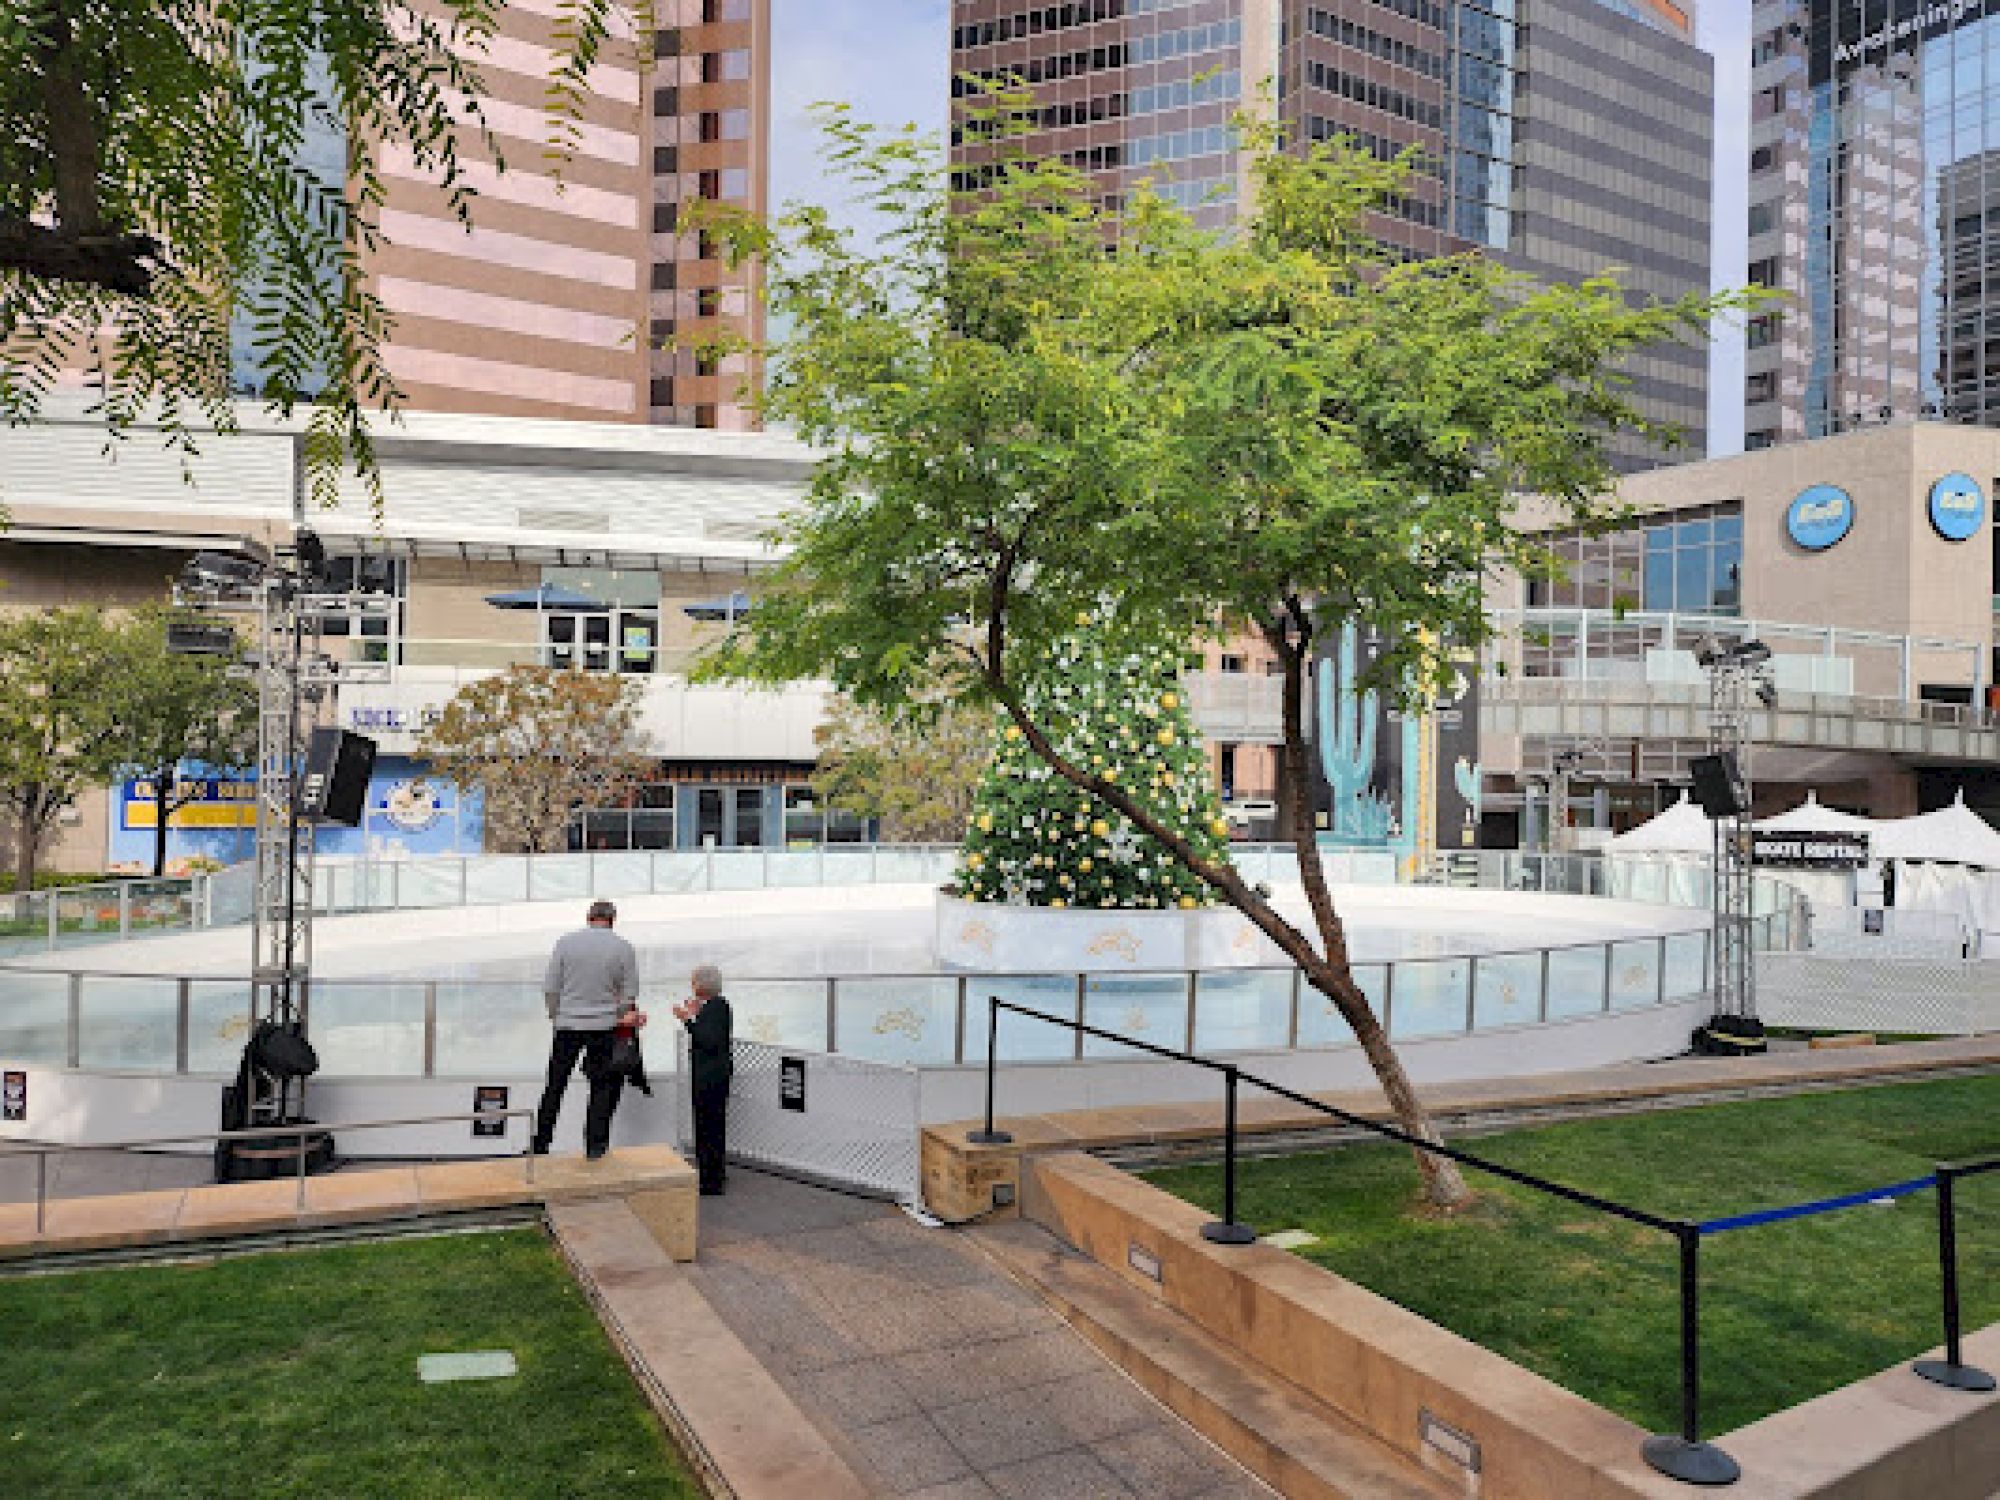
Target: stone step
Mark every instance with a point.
(1293, 1442)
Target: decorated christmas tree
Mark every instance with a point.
(1035, 839)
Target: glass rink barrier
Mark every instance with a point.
(480, 1028)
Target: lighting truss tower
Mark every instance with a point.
(296, 677)
(1737, 678)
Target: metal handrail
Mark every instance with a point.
(41, 1151)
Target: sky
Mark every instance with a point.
(889, 60)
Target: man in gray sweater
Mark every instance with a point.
(592, 987)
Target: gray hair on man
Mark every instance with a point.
(601, 911)
(706, 980)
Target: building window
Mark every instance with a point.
(724, 10)
(666, 160)
(1763, 438)
(663, 276)
(1762, 386)
(711, 125)
(736, 124)
(708, 301)
(1763, 159)
(1762, 332)
(1232, 663)
(666, 101)
(709, 185)
(665, 217)
(662, 393)
(704, 416)
(736, 183)
(1765, 272)
(1763, 218)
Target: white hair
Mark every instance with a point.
(706, 979)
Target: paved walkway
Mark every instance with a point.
(927, 1367)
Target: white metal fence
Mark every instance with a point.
(834, 1119)
(1936, 997)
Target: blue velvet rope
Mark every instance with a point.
(1822, 1206)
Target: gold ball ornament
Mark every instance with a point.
(1220, 828)
(985, 822)
(1165, 736)
(1100, 828)
(1187, 903)
(1084, 865)
(1170, 700)
(1013, 731)
(1056, 901)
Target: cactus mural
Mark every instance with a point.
(1470, 779)
(1347, 747)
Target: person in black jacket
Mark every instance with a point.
(705, 1013)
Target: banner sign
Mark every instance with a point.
(792, 1084)
(205, 802)
(14, 1096)
(1844, 36)
(1811, 851)
(489, 1096)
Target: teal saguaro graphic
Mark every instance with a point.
(1347, 746)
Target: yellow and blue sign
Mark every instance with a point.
(1820, 516)
(199, 802)
(1958, 507)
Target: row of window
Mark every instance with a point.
(1179, 145)
(1042, 69)
(710, 125)
(1388, 48)
(1187, 41)
(1184, 93)
(1374, 95)
(717, 184)
(1424, 12)
(1034, 22)
(1319, 128)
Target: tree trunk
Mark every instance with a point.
(161, 782)
(1444, 1186)
(28, 842)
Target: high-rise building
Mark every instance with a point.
(1563, 136)
(575, 291)
(1873, 179)
(711, 119)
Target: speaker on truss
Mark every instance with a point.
(338, 765)
(1718, 785)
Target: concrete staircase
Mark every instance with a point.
(1293, 1442)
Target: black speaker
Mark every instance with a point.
(1718, 785)
(338, 765)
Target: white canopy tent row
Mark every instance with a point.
(1943, 868)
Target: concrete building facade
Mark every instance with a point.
(578, 290)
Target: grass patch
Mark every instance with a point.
(295, 1374)
(1788, 1310)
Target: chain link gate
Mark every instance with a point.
(820, 1115)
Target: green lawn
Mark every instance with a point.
(1788, 1310)
(295, 1374)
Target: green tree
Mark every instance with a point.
(537, 744)
(914, 773)
(1032, 410)
(59, 729)
(152, 182)
(1115, 707)
(171, 709)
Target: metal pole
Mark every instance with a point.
(1226, 1230)
(832, 1009)
(1082, 998)
(1951, 1370)
(1686, 1457)
(41, 1192)
(1471, 994)
(989, 1136)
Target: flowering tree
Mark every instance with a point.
(1037, 840)
(537, 743)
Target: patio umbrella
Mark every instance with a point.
(549, 596)
(732, 608)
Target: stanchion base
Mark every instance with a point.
(989, 1138)
(1957, 1377)
(1219, 1233)
(1691, 1463)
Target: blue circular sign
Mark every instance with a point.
(1958, 507)
(1820, 516)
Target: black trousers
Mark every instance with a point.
(594, 1047)
(711, 1133)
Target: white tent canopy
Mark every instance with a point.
(1682, 829)
(1813, 816)
(1951, 835)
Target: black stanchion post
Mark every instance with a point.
(1686, 1457)
(1950, 1371)
(989, 1136)
(1226, 1231)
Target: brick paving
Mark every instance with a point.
(931, 1370)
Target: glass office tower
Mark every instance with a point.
(1875, 203)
